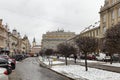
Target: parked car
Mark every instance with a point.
(116, 57)
(18, 57)
(100, 57)
(91, 57)
(107, 58)
(11, 60)
(82, 56)
(5, 64)
(3, 74)
(103, 57)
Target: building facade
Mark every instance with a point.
(50, 40)
(35, 49)
(3, 36)
(26, 44)
(11, 42)
(94, 32)
(109, 15)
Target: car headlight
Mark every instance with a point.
(9, 62)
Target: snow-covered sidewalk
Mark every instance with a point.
(113, 64)
(77, 72)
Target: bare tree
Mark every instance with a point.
(66, 50)
(112, 41)
(73, 51)
(87, 45)
(48, 52)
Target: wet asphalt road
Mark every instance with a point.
(29, 69)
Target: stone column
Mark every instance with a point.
(0, 22)
(116, 16)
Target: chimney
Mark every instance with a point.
(0, 22)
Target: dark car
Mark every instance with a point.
(11, 60)
(91, 57)
(5, 64)
(116, 57)
(18, 57)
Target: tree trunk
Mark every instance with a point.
(111, 59)
(119, 58)
(75, 57)
(66, 60)
(75, 60)
(49, 61)
(86, 62)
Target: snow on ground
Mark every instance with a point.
(113, 64)
(53, 62)
(45, 60)
(81, 60)
(77, 71)
(89, 61)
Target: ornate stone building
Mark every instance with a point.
(3, 36)
(12, 41)
(25, 45)
(50, 40)
(17, 44)
(109, 15)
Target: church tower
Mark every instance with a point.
(34, 42)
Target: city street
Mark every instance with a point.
(29, 69)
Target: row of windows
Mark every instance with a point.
(92, 33)
(112, 15)
(57, 35)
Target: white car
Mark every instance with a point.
(101, 56)
(3, 74)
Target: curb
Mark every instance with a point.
(48, 67)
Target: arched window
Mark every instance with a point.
(104, 18)
(112, 14)
(104, 30)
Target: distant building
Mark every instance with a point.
(25, 45)
(35, 48)
(93, 31)
(50, 40)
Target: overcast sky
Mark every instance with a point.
(36, 17)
